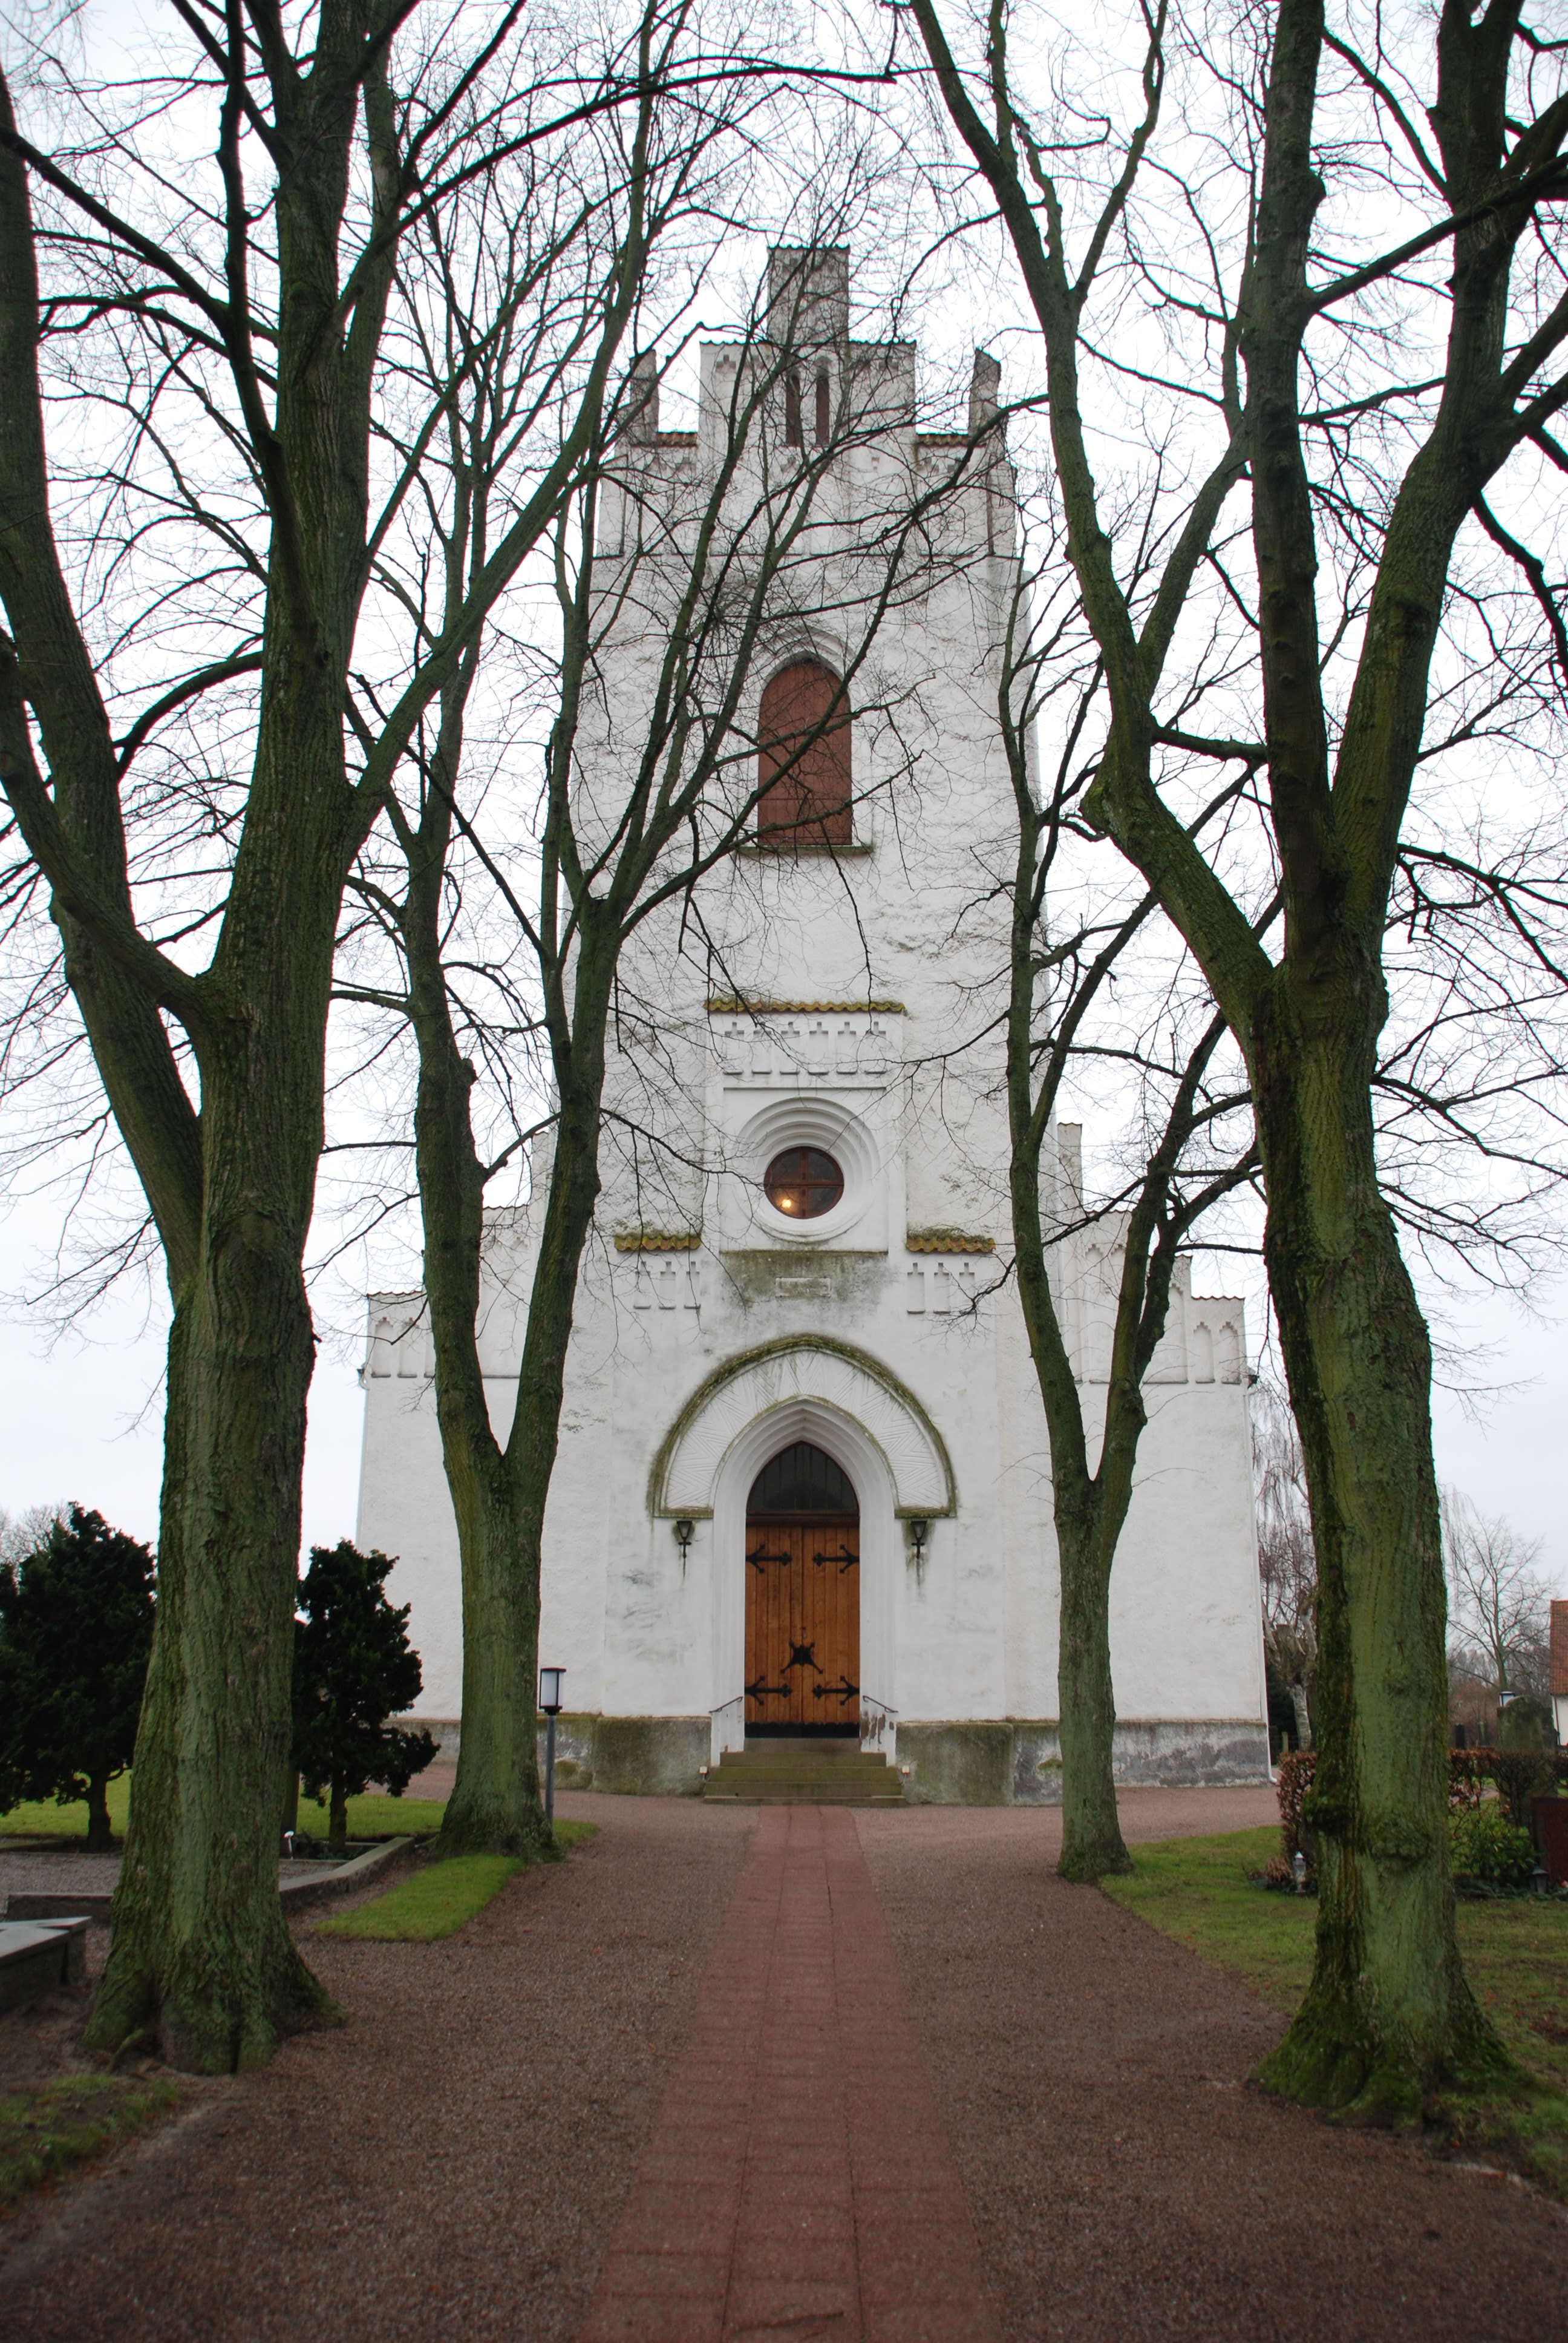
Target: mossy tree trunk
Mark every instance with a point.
(1388, 2013)
(201, 1961)
(337, 1820)
(1089, 1507)
(499, 1486)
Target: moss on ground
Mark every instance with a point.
(1515, 1953)
(440, 1898)
(46, 2131)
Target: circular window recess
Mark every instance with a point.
(803, 1182)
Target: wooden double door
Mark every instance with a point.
(802, 1624)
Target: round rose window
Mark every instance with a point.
(803, 1182)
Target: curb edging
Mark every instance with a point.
(294, 1895)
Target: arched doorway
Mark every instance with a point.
(802, 1598)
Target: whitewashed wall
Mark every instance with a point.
(968, 1631)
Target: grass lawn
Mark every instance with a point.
(44, 2131)
(373, 1817)
(46, 1820)
(376, 1816)
(440, 1898)
(1516, 1955)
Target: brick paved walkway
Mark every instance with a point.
(799, 2179)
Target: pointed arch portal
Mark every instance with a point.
(802, 1598)
(834, 1398)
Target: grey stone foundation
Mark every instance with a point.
(981, 1762)
(640, 1756)
(1017, 1761)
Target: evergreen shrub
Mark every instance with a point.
(354, 1666)
(75, 1634)
(1517, 1774)
(1486, 1847)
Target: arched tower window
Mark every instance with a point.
(824, 407)
(805, 781)
(793, 435)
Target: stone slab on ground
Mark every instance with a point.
(68, 1871)
(37, 1957)
(309, 1884)
(456, 2161)
(51, 1891)
(30, 1903)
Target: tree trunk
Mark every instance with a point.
(336, 1820)
(1092, 1840)
(1388, 2013)
(496, 1798)
(1298, 1691)
(200, 1951)
(496, 1806)
(100, 1836)
(201, 1958)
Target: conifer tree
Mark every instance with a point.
(353, 1667)
(75, 1633)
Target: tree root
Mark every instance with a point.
(1335, 2058)
(496, 1827)
(202, 2012)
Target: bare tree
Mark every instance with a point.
(1287, 1559)
(22, 1533)
(1499, 1605)
(1190, 1145)
(1351, 423)
(222, 253)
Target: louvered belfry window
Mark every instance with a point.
(803, 772)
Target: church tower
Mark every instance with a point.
(803, 1488)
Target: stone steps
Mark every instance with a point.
(803, 1774)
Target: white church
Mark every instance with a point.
(803, 1487)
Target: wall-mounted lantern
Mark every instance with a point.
(685, 1532)
(919, 1529)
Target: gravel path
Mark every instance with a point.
(1125, 2180)
(455, 2162)
(447, 2166)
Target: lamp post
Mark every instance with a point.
(550, 1702)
